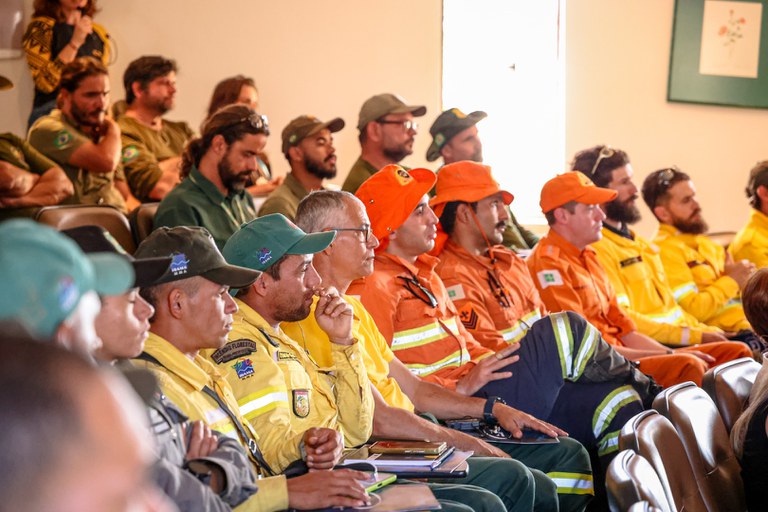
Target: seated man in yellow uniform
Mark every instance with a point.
(631, 262)
(193, 312)
(705, 280)
(399, 392)
(751, 242)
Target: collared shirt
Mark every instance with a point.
(21, 154)
(144, 148)
(283, 392)
(572, 279)
(285, 199)
(751, 242)
(431, 341)
(497, 300)
(643, 290)
(57, 137)
(197, 202)
(182, 380)
(695, 266)
(376, 353)
(361, 171)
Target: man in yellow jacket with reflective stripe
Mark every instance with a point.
(751, 242)
(705, 281)
(631, 262)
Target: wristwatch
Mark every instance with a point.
(488, 416)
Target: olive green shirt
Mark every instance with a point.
(285, 199)
(144, 148)
(197, 202)
(57, 138)
(361, 171)
(516, 237)
(21, 154)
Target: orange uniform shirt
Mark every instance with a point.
(497, 299)
(573, 279)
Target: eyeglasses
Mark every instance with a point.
(605, 152)
(419, 291)
(407, 125)
(365, 230)
(498, 290)
(256, 121)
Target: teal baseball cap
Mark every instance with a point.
(260, 243)
(44, 274)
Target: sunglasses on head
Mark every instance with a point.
(605, 152)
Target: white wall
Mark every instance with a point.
(323, 58)
(617, 59)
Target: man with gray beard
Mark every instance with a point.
(308, 147)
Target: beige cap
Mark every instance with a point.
(304, 126)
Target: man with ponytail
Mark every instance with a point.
(214, 172)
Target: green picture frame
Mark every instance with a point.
(687, 84)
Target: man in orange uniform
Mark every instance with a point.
(569, 277)
(557, 377)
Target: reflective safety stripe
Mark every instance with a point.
(610, 406)
(670, 317)
(622, 299)
(608, 444)
(572, 483)
(423, 335)
(264, 400)
(733, 303)
(586, 350)
(517, 331)
(218, 420)
(455, 359)
(683, 290)
(564, 340)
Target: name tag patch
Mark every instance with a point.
(630, 261)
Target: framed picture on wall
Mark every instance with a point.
(11, 28)
(719, 53)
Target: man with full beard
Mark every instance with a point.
(151, 145)
(215, 169)
(308, 147)
(705, 280)
(387, 131)
(80, 137)
(632, 263)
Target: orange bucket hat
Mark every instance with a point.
(573, 186)
(465, 181)
(391, 195)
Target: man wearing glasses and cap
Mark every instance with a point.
(570, 277)
(705, 280)
(387, 130)
(455, 138)
(308, 147)
(215, 170)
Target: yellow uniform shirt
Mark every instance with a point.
(182, 380)
(751, 243)
(694, 265)
(376, 353)
(642, 289)
(283, 392)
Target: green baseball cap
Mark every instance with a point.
(262, 242)
(44, 274)
(447, 125)
(380, 105)
(304, 126)
(194, 253)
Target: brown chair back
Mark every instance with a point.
(630, 479)
(142, 221)
(653, 436)
(72, 216)
(706, 443)
(729, 385)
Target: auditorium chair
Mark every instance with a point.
(653, 436)
(631, 479)
(729, 385)
(142, 221)
(643, 506)
(706, 443)
(76, 215)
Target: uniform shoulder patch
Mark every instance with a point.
(468, 316)
(456, 292)
(130, 153)
(233, 350)
(63, 138)
(549, 278)
(243, 368)
(300, 402)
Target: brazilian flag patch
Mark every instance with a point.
(62, 139)
(129, 154)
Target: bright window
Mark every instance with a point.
(506, 57)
